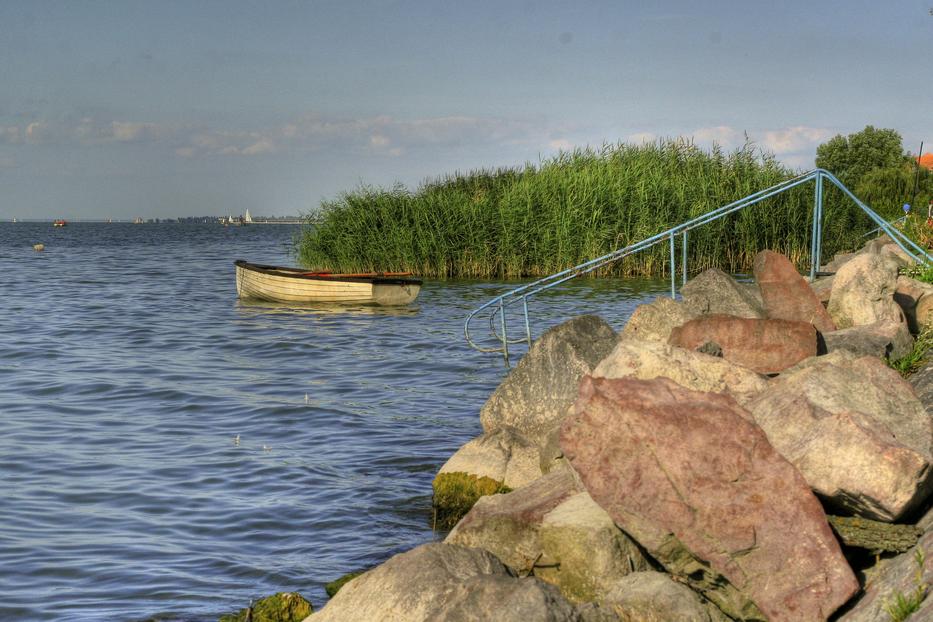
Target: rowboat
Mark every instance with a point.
(278, 284)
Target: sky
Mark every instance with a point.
(161, 109)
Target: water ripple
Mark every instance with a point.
(128, 369)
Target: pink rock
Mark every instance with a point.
(696, 482)
(764, 346)
(786, 294)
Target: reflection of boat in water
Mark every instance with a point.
(277, 284)
(59, 223)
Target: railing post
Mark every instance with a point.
(527, 323)
(819, 222)
(683, 259)
(814, 233)
(505, 336)
(673, 270)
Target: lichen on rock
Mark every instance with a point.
(281, 607)
(455, 493)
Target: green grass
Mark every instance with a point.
(542, 218)
(901, 606)
(913, 361)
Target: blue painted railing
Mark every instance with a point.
(495, 308)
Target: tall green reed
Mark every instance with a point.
(573, 207)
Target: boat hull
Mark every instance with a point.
(290, 285)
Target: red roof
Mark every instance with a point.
(927, 160)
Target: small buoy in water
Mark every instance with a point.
(38, 247)
(236, 440)
(307, 399)
(266, 448)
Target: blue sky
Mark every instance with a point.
(161, 108)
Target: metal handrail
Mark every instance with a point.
(521, 294)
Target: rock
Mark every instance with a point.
(897, 254)
(823, 287)
(494, 462)
(655, 597)
(334, 586)
(696, 483)
(535, 396)
(764, 346)
(874, 536)
(863, 292)
(908, 575)
(653, 322)
(908, 296)
(786, 294)
(507, 525)
(839, 260)
(854, 430)
(922, 383)
(692, 370)
(281, 607)
(437, 581)
(889, 340)
(714, 291)
(553, 530)
(588, 553)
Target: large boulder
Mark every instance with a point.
(916, 301)
(653, 322)
(854, 430)
(655, 597)
(552, 528)
(863, 292)
(823, 288)
(494, 462)
(694, 481)
(714, 291)
(701, 372)
(883, 339)
(437, 581)
(786, 294)
(922, 383)
(535, 396)
(764, 346)
(908, 577)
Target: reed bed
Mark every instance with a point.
(576, 206)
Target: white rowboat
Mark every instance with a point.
(277, 284)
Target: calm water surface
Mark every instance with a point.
(128, 367)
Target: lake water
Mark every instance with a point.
(127, 369)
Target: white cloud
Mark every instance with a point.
(722, 135)
(794, 139)
(641, 138)
(9, 135)
(560, 144)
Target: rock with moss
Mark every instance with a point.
(874, 536)
(334, 586)
(553, 530)
(492, 463)
(281, 607)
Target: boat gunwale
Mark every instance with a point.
(298, 273)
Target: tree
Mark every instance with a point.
(851, 157)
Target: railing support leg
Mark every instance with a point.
(505, 336)
(819, 221)
(673, 271)
(683, 259)
(527, 323)
(814, 233)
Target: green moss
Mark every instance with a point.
(914, 360)
(334, 586)
(281, 607)
(455, 494)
